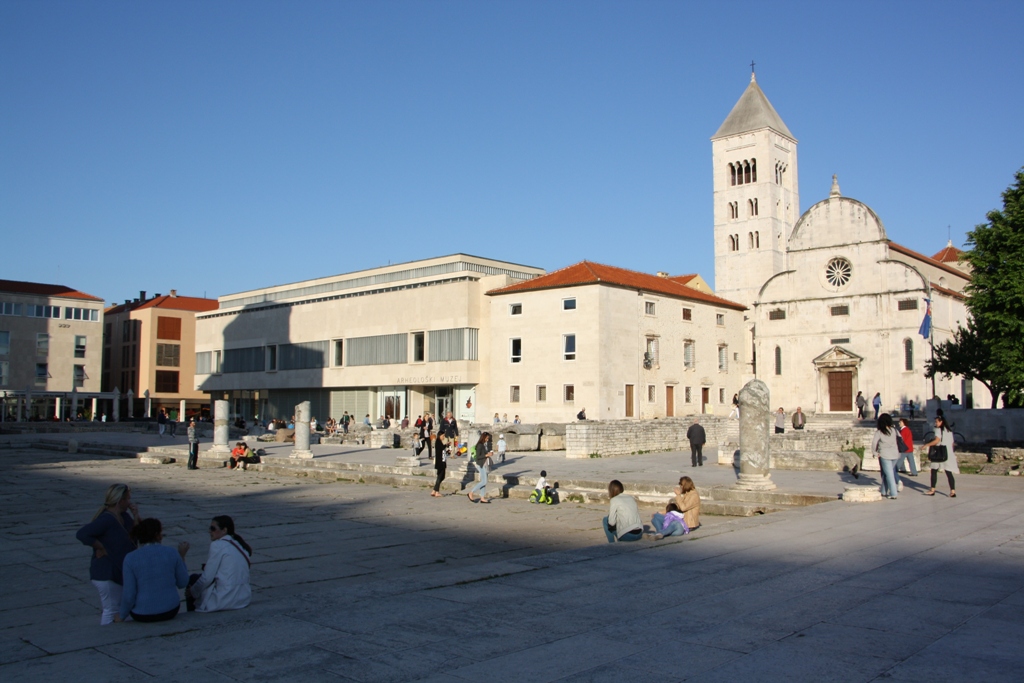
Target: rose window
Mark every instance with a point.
(838, 271)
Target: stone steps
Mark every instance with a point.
(714, 500)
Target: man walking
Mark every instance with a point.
(697, 439)
(193, 445)
(449, 427)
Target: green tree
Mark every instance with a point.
(995, 295)
(966, 355)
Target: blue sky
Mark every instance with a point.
(217, 147)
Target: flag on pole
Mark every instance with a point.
(926, 324)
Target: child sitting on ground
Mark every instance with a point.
(542, 494)
(669, 524)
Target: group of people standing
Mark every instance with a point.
(138, 578)
(894, 445)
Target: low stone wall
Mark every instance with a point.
(981, 426)
(610, 438)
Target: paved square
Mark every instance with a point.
(375, 583)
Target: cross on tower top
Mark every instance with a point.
(752, 77)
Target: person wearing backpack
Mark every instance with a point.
(481, 458)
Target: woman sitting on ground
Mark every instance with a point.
(688, 501)
(152, 575)
(671, 523)
(224, 583)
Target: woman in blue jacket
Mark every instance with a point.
(108, 534)
(152, 575)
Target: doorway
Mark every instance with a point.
(705, 398)
(840, 392)
(670, 401)
(629, 400)
(443, 402)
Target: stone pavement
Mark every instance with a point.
(373, 583)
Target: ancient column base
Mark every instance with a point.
(301, 454)
(754, 482)
(218, 450)
(408, 461)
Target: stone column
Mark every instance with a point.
(130, 396)
(95, 417)
(56, 408)
(116, 413)
(181, 410)
(755, 430)
(149, 404)
(301, 449)
(220, 429)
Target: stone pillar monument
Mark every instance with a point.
(302, 431)
(116, 415)
(755, 428)
(131, 404)
(220, 429)
(95, 417)
(181, 410)
(74, 404)
(149, 404)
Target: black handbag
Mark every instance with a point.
(938, 453)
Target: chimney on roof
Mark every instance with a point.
(142, 295)
(174, 293)
(662, 273)
(157, 295)
(127, 301)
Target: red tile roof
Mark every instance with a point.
(590, 273)
(949, 254)
(928, 259)
(177, 303)
(41, 289)
(683, 279)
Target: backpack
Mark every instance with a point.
(901, 445)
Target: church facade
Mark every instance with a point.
(835, 307)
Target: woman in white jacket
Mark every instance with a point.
(224, 583)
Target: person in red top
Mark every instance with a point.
(908, 440)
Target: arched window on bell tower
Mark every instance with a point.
(732, 174)
(746, 171)
(753, 170)
(757, 239)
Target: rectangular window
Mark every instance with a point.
(907, 305)
(688, 395)
(516, 350)
(5, 377)
(339, 353)
(5, 343)
(777, 314)
(651, 359)
(79, 376)
(203, 363)
(542, 393)
(723, 359)
(168, 355)
(42, 344)
(166, 382)
(457, 343)
(650, 308)
(720, 318)
(136, 326)
(168, 328)
(419, 347)
(126, 330)
(569, 347)
(42, 373)
(515, 309)
(840, 310)
(687, 314)
(840, 340)
(721, 395)
(125, 355)
(385, 349)
(569, 393)
(513, 394)
(106, 333)
(35, 311)
(689, 355)
(569, 304)
(79, 346)
(217, 362)
(315, 354)
(652, 393)
(272, 358)
(248, 359)
(7, 308)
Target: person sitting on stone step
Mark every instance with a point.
(688, 500)
(671, 523)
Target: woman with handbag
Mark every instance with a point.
(942, 457)
(482, 459)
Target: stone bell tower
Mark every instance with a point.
(757, 198)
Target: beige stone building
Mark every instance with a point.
(397, 340)
(50, 341)
(619, 343)
(836, 305)
(149, 346)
